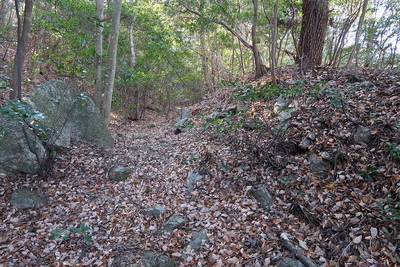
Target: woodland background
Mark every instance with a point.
(172, 52)
(278, 94)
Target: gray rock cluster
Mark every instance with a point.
(68, 114)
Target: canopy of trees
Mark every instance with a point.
(171, 52)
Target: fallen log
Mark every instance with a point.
(296, 251)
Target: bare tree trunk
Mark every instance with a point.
(274, 42)
(354, 52)
(22, 45)
(98, 62)
(313, 31)
(241, 59)
(136, 94)
(256, 52)
(341, 40)
(204, 60)
(112, 61)
(259, 67)
(98, 87)
(370, 45)
(132, 46)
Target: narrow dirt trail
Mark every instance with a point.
(333, 215)
(83, 193)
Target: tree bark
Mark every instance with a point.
(274, 30)
(112, 61)
(136, 93)
(132, 46)
(258, 63)
(22, 46)
(204, 60)
(354, 51)
(98, 87)
(313, 32)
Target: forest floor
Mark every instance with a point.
(343, 215)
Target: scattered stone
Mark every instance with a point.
(326, 156)
(185, 113)
(173, 222)
(223, 166)
(284, 108)
(155, 211)
(252, 242)
(25, 198)
(215, 115)
(307, 141)
(183, 125)
(142, 136)
(153, 259)
(198, 239)
(351, 78)
(288, 262)
(192, 179)
(119, 173)
(262, 195)
(319, 165)
(362, 135)
(281, 128)
(244, 167)
(120, 260)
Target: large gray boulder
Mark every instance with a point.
(69, 114)
(14, 149)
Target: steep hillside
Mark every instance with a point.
(324, 145)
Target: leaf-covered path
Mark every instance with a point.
(334, 218)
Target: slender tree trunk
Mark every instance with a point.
(257, 59)
(136, 93)
(341, 41)
(256, 52)
(132, 46)
(22, 45)
(313, 31)
(112, 61)
(98, 87)
(354, 52)
(274, 42)
(204, 60)
(370, 45)
(241, 59)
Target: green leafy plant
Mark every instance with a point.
(64, 234)
(287, 179)
(26, 115)
(4, 80)
(82, 230)
(3, 133)
(188, 125)
(392, 207)
(250, 92)
(369, 173)
(395, 150)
